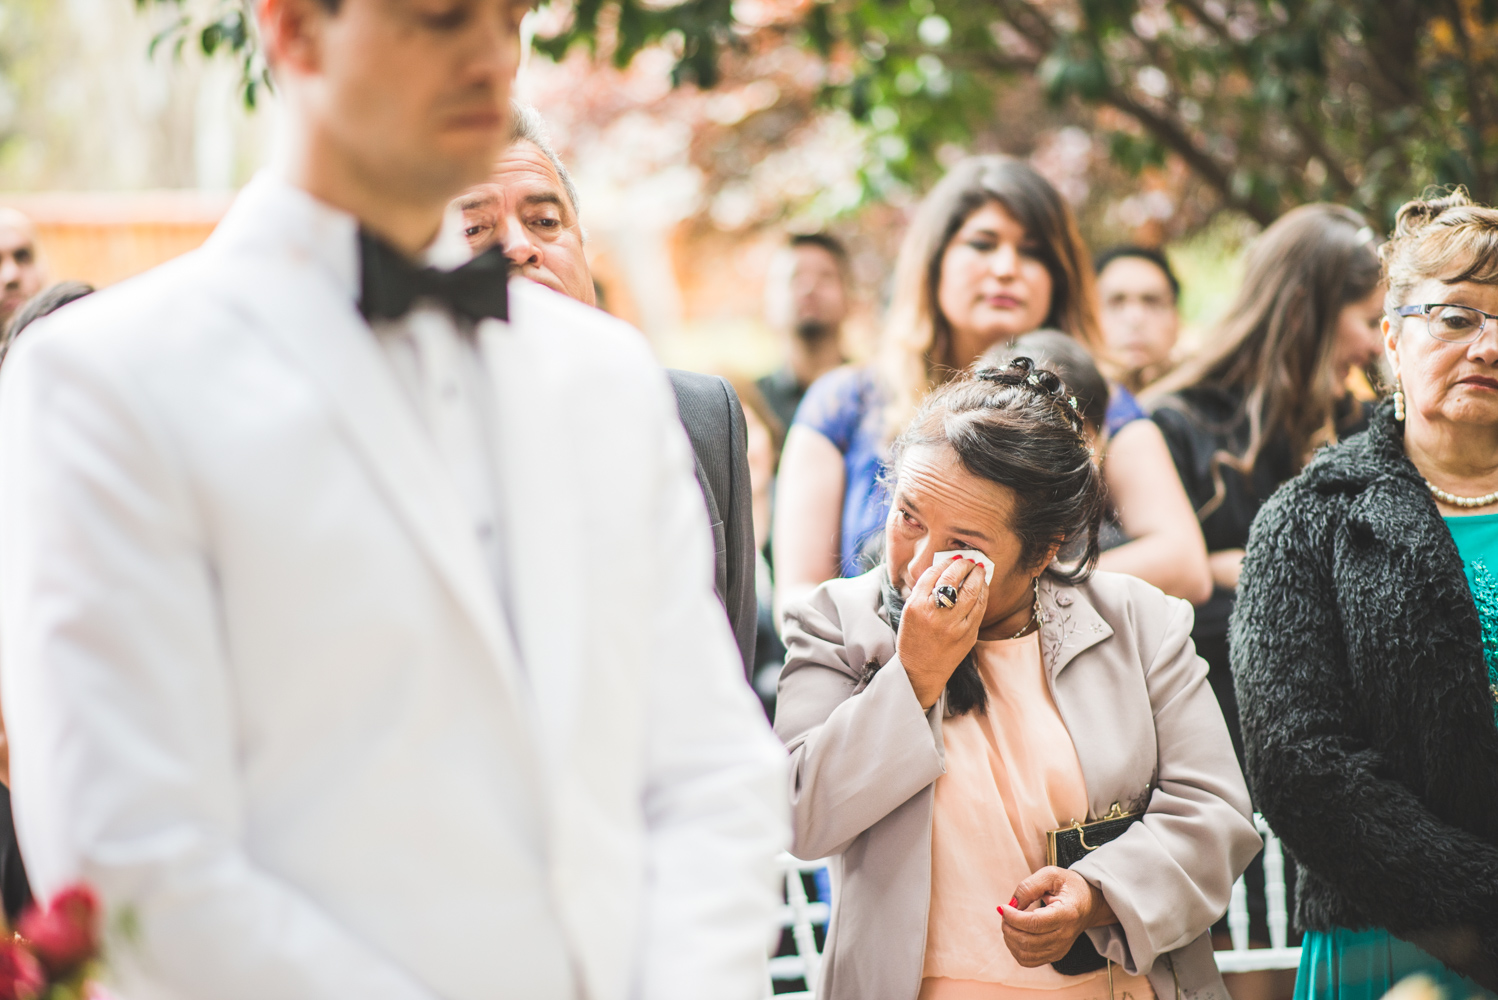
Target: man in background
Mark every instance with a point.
(808, 297)
(1139, 295)
(529, 207)
(21, 273)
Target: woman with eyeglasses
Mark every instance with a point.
(1365, 642)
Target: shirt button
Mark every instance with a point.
(1064, 600)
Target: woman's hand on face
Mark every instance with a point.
(933, 640)
(1071, 905)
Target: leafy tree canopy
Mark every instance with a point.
(1270, 103)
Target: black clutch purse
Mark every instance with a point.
(1064, 848)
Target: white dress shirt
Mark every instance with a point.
(437, 359)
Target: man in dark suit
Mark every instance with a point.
(529, 207)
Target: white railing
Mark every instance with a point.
(803, 915)
(1242, 958)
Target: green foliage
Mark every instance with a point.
(1268, 102)
(224, 26)
(699, 31)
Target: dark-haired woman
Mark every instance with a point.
(993, 253)
(941, 723)
(1244, 415)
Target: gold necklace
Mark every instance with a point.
(1037, 616)
(1486, 500)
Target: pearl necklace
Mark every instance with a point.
(1486, 500)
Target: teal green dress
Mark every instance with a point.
(1343, 964)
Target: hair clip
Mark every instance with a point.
(1032, 379)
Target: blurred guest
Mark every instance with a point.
(941, 725)
(1070, 361)
(15, 890)
(808, 297)
(993, 253)
(529, 208)
(1244, 415)
(765, 438)
(766, 435)
(1365, 641)
(21, 274)
(44, 303)
(1138, 295)
(356, 609)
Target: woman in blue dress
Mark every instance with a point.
(993, 253)
(1365, 642)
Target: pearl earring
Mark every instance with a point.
(1398, 399)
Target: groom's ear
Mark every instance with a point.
(292, 31)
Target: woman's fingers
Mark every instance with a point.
(1032, 951)
(1046, 920)
(1047, 933)
(973, 597)
(1048, 881)
(955, 573)
(935, 576)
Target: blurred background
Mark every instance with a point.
(702, 132)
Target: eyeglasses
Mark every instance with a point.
(1449, 323)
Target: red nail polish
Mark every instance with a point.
(1014, 902)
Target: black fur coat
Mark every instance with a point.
(1367, 716)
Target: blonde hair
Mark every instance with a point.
(1449, 238)
(916, 352)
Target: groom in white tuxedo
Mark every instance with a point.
(356, 622)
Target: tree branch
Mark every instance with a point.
(1476, 112)
(1178, 140)
(1314, 145)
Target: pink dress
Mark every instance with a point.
(1012, 774)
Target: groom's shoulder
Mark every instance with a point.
(572, 333)
(128, 319)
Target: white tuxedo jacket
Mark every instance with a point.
(259, 689)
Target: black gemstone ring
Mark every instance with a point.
(945, 596)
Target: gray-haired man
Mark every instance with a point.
(529, 207)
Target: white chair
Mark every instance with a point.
(803, 915)
(1242, 958)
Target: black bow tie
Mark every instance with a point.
(390, 284)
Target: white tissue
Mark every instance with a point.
(972, 554)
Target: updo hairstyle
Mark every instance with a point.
(1449, 238)
(1070, 361)
(1021, 427)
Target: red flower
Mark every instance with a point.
(21, 976)
(66, 935)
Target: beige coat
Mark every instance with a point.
(1134, 696)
